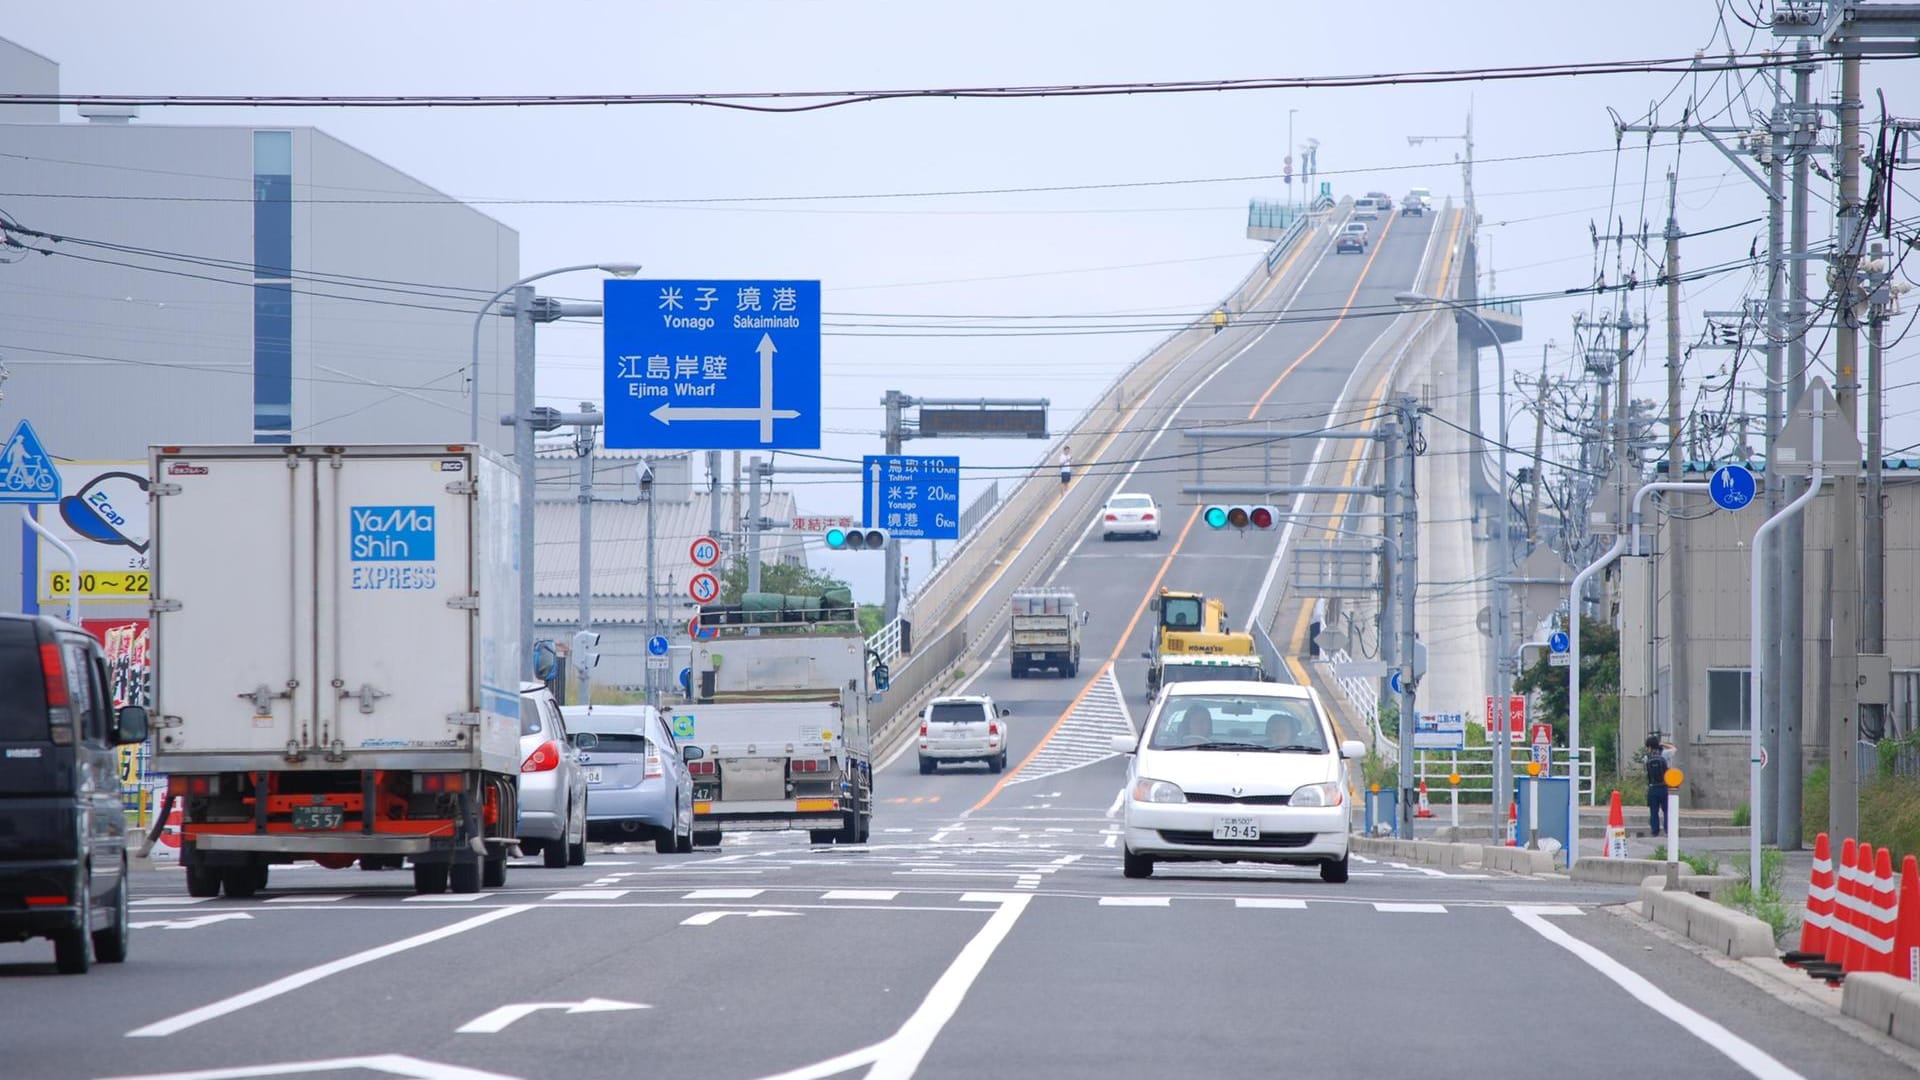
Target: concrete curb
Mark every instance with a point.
(1730, 933)
(1641, 871)
(1516, 860)
(1434, 853)
(1884, 1003)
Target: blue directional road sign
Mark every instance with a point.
(1732, 487)
(1558, 641)
(657, 645)
(27, 471)
(913, 498)
(712, 365)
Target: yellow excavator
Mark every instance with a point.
(1191, 641)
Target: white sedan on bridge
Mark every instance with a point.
(1130, 514)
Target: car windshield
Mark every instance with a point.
(1181, 613)
(1129, 502)
(956, 712)
(618, 742)
(23, 703)
(1236, 722)
(1173, 673)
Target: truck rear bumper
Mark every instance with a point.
(746, 824)
(295, 844)
(769, 815)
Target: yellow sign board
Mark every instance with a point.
(99, 584)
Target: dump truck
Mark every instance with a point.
(1046, 633)
(1190, 626)
(336, 652)
(776, 734)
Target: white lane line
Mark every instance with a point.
(1269, 902)
(167, 901)
(723, 894)
(1754, 1060)
(1111, 838)
(1545, 910)
(896, 830)
(175, 1024)
(376, 1064)
(1361, 859)
(1411, 909)
(860, 894)
(1136, 901)
(443, 898)
(332, 899)
(589, 894)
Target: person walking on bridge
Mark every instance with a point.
(1066, 465)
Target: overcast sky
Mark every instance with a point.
(1166, 248)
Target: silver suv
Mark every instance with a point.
(967, 728)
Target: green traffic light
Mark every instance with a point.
(836, 538)
(1216, 517)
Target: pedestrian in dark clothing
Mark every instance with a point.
(1656, 786)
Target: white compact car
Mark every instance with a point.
(956, 729)
(1130, 514)
(1237, 772)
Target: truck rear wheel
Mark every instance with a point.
(493, 872)
(203, 882)
(706, 839)
(822, 836)
(242, 882)
(430, 879)
(464, 875)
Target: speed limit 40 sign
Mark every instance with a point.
(704, 551)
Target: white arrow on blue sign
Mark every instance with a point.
(1732, 487)
(913, 498)
(657, 645)
(1558, 641)
(27, 471)
(712, 365)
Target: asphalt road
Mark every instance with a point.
(985, 931)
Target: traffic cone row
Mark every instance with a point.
(1424, 811)
(1859, 917)
(1616, 829)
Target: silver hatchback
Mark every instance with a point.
(553, 786)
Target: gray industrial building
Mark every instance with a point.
(181, 283)
(1713, 740)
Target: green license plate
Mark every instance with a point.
(318, 817)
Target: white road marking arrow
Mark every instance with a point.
(500, 1018)
(708, 918)
(766, 414)
(188, 924)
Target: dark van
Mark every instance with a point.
(63, 842)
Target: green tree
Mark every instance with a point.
(784, 578)
(1599, 691)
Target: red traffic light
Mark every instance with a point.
(1262, 517)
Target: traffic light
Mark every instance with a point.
(585, 654)
(1241, 518)
(839, 539)
(882, 678)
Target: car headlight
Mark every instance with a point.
(1150, 790)
(1317, 795)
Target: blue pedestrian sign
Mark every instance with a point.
(686, 679)
(27, 471)
(657, 645)
(712, 365)
(1558, 641)
(1393, 681)
(913, 498)
(1732, 487)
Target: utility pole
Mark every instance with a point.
(1623, 410)
(1843, 700)
(645, 477)
(894, 402)
(713, 494)
(1679, 701)
(753, 523)
(1539, 445)
(523, 430)
(583, 443)
(1403, 444)
(1789, 717)
(1773, 680)
(1873, 531)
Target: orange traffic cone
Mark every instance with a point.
(1513, 824)
(1906, 939)
(1424, 810)
(1882, 916)
(1860, 888)
(1616, 828)
(1841, 918)
(1814, 929)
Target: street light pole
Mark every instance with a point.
(1502, 602)
(1289, 156)
(473, 365)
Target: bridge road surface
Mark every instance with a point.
(985, 931)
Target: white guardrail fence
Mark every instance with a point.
(1475, 766)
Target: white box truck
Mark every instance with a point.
(336, 659)
(779, 717)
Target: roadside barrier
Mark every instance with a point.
(1616, 828)
(1860, 919)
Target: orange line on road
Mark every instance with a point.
(1180, 541)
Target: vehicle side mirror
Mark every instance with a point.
(131, 725)
(692, 753)
(1006, 712)
(585, 740)
(1353, 750)
(1122, 744)
(1146, 654)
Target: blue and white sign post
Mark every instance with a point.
(1732, 487)
(1558, 646)
(913, 498)
(28, 476)
(712, 365)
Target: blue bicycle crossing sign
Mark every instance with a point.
(27, 471)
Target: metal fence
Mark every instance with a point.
(1475, 766)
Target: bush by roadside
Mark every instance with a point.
(1889, 811)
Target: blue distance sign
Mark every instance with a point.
(712, 365)
(1732, 487)
(912, 498)
(1558, 641)
(27, 472)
